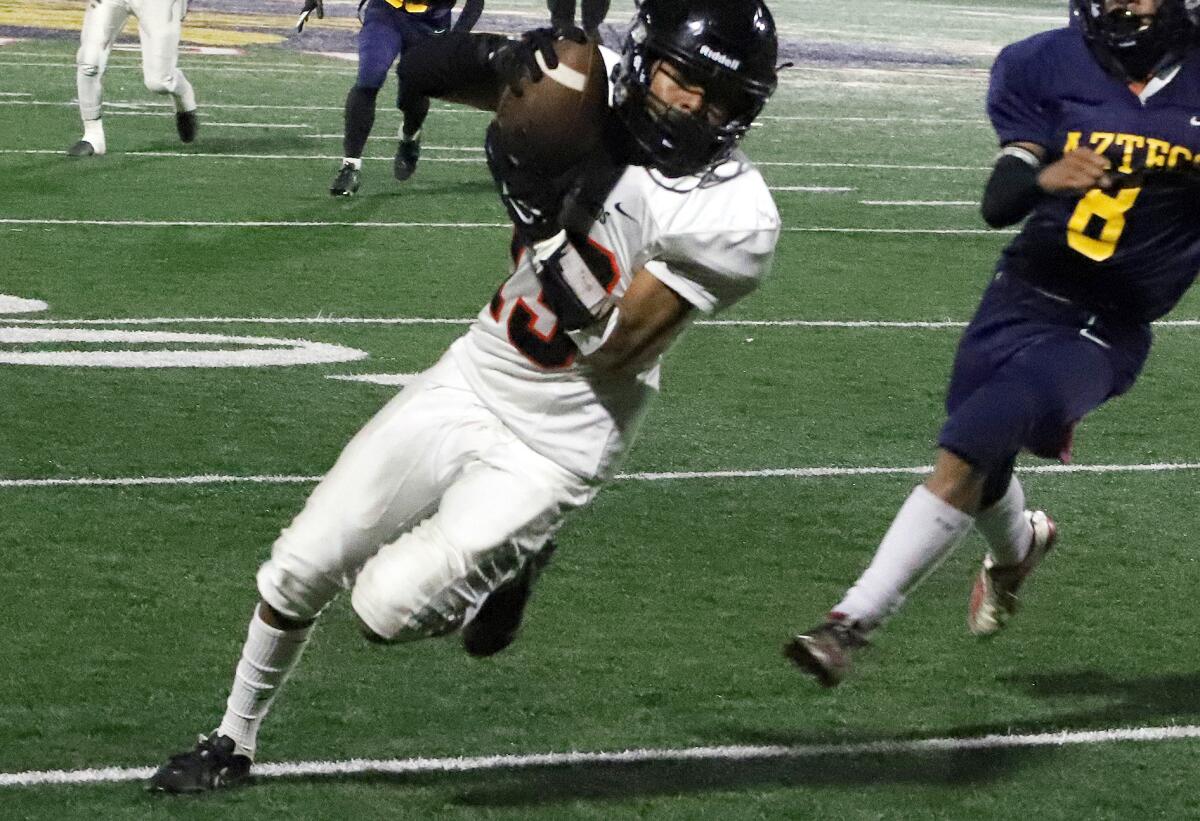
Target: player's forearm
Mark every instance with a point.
(453, 67)
(1012, 190)
(646, 320)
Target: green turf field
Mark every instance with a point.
(658, 628)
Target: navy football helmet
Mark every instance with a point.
(726, 47)
(1133, 47)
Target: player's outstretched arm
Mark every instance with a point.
(474, 69)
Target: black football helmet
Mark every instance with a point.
(727, 47)
(1133, 47)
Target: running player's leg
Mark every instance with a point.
(388, 477)
(159, 25)
(593, 14)
(378, 46)
(495, 518)
(414, 108)
(102, 22)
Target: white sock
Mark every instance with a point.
(267, 658)
(93, 132)
(183, 95)
(355, 161)
(1006, 527)
(923, 533)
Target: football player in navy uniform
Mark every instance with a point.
(388, 28)
(562, 15)
(438, 514)
(1100, 136)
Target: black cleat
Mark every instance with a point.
(498, 620)
(81, 149)
(346, 181)
(824, 652)
(187, 125)
(408, 151)
(213, 765)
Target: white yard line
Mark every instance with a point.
(919, 202)
(665, 476)
(402, 766)
(421, 320)
(455, 225)
(764, 164)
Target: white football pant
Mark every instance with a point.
(159, 25)
(431, 506)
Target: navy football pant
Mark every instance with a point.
(1029, 366)
(385, 32)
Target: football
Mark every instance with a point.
(557, 121)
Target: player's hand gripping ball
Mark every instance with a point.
(554, 121)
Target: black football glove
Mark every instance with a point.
(514, 61)
(309, 7)
(532, 199)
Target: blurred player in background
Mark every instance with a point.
(1098, 128)
(389, 27)
(439, 513)
(159, 25)
(562, 15)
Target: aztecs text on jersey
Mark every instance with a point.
(710, 244)
(1130, 252)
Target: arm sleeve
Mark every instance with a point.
(469, 16)
(1016, 100)
(1012, 191)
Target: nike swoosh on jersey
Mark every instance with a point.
(623, 212)
(1195, 120)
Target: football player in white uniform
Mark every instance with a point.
(159, 25)
(439, 513)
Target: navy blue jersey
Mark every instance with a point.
(1130, 252)
(426, 9)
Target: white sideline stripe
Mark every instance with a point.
(898, 120)
(371, 224)
(170, 155)
(213, 106)
(768, 473)
(254, 223)
(393, 379)
(818, 189)
(193, 66)
(917, 202)
(464, 110)
(400, 766)
(416, 320)
(757, 164)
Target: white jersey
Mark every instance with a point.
(711, 244)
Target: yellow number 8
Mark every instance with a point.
(1107, 208)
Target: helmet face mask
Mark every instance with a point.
(722, 50)
(1134, 46)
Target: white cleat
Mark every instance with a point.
(994, 597)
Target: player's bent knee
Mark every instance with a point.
(294, 595)
(369, 633)
(279, 621)
(88, 69)
(159, 85)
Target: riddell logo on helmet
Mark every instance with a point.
(723, 59)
